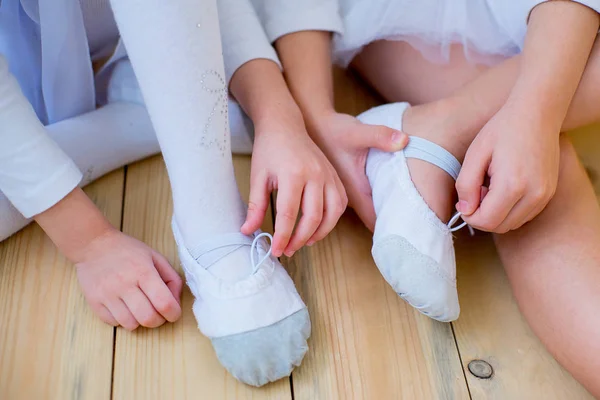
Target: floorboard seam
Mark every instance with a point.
(114, 349)
(462, 366)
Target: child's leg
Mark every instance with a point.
(553, 264)
(115, 135)
(399, 72)
(551, 306)
(454, 121)
(250, 310)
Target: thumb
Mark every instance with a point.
(381, 137)
(169, 276)
(470, 180)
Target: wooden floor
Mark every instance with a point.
(366, 342)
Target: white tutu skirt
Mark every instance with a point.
(488, 30)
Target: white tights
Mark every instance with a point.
(115, 135)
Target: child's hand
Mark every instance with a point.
(346, 142)
(520, 154)
(286, 159)
(127, 283)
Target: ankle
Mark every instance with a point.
(435, 186)
(444, 122)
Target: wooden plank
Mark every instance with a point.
(174, 361)
(52, 346)
(491, 327)
(366, 343)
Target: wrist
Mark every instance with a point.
(528, 104)
(317, 115)
(259, 87)
(283, 117)
(73, 224)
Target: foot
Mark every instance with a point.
(412, 245)
(246, 303)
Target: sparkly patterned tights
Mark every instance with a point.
(176, 54)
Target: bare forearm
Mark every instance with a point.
(306, 59)
(73, 223)
(261, 90)
(559, 40)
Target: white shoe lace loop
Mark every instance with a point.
(254, 249)
(455, 219)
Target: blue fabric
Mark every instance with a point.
(67, 72)
(50, 57)
(432, 153)
(20, 43)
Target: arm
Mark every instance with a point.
(344, 140)
(41, 181)
(242, 35)
(554, 59)
(285, 158)
(39, 178)
(35, 173)
(306, 58)
(518, 148)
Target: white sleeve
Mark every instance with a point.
(281, 17)
(35, 173)
(242, 35)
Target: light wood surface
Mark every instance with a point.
(366, 342)
(491, 328)
(174, 361)
(52, 346)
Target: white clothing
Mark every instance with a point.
(238, 301)
(114, 135)
(34, 172)
(488, 29)
(49, 48)
(100, 28)
(412, 248)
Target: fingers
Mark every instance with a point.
(524, 211)
(122, 315)
(380, 137)
(105, 315)
(169, 276)
(257, 205)
(334, 208)
(494, 208)
(141, 309)
(288, 204)
(312, 214)
(339, 186)
(160, 296)
(470, 180)
(516, 217)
